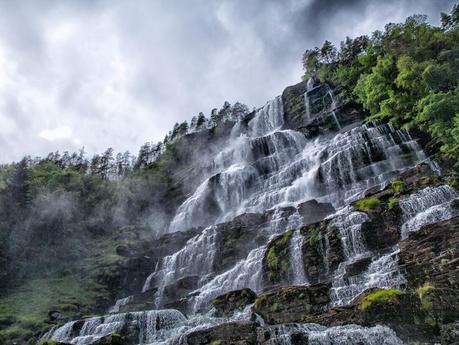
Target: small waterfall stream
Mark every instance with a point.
(428, 206)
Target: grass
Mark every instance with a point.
(423, 292)
(379, 296)
(368, 204)
(26, 307)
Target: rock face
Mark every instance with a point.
(322, 251)
(431, 255)
(450, 334)
(234, 333)
(293, 304)
(227, 304)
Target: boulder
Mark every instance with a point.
(313, 211)
(382, 230)
(322, 251)
(232, 333)
(293, 304)
(228, 303)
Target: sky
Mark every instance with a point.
(118, 73)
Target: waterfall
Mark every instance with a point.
(296, 259)
(151, 326)
(382, 271)
(119, 303)
(427, 206)
(320, 335)
(270, 167)
(349, 226)
(195, 258)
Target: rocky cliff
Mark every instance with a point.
(301, 224)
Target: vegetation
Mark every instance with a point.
(406, 74)
(397, 186)
(423, 293)
(379, 296)
(392, 202)
(277, 265)
(368, 204)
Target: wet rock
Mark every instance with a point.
(240, 332)
(235, 239)
(382, 230)
(450, 334)
(229, 302)
(276, 260)
(431, 255)
(357, 267)
(293, 304)
(111, 339)
(313, 211)
(179, 289)
(322, 251)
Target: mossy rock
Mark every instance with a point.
(275, 262)
(369, 204)
(379, 296)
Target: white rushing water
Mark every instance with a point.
(428, 206)
(151, 326)
(340, 335)
(266, 167)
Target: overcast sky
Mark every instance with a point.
(116, 74)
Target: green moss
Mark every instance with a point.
(392, 203)
(215, 342)
(453, 183)
(277, 264)
(276, 307)
(423, 293)
(397, 186)
(368, 204)
(379, 296)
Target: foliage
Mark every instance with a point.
(423, 292)
(397, 186)
(379, 296)
(367, 204)
(277, 257)
(392, 203)
(408, 75)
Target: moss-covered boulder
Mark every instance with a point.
(228, 303)
(322, 251)
(276, 260)
(293, 304)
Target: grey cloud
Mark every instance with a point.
(119, 73)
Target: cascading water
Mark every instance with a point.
(195, 258)
(382, 272)
(296, 259)
(319, 335)
(151, 326)
(428, 206)
(265, 166)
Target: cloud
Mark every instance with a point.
(120, 73)
(57, 133)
